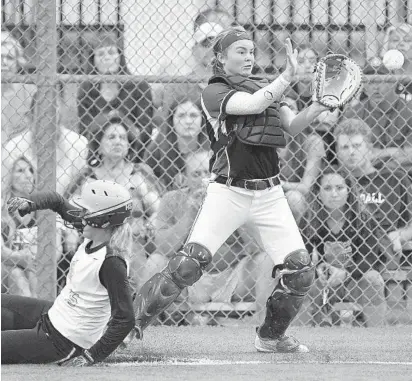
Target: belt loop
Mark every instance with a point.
(229, 182)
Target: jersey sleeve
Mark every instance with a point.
(113, 276)
(215, 98)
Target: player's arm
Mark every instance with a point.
(44, 200)
(113, 276)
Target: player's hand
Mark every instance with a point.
(395, 239)
(291, 61)
(20, 204)
(84, 359)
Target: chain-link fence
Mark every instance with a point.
(111, 90)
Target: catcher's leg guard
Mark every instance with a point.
(159, 292)
(297, 274)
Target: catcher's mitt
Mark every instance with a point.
(338, 79)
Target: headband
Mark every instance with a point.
(230, 38)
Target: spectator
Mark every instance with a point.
(300, 165)
(15, 97)
(390, 119)
(200, 66)
(183, 134)
(112, 146)
(300, 96)
(19, 235)
(344, 248)
(232, 273)
(132, 99)
(384, 194)
(400, 37)
(71, 150)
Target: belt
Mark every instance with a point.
(259, 184)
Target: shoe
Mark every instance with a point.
(285, 344)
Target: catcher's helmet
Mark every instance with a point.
(104, 204)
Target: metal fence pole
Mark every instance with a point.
(45, 142)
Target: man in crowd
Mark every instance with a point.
(385, 194)
(388, 116)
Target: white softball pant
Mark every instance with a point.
(267, 212)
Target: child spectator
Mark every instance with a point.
(344, 248)
(71, 150)
(19, 235)
(132, 99)
(183, 134)
(15, 97)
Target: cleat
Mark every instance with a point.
(285, 344)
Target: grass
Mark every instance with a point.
(227, 353)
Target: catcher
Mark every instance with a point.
(246, 119)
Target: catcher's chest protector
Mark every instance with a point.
(259, 129)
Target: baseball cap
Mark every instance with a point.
(207, 30)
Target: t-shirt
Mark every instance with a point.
(364, 255)
(387, 197)
(236, 159)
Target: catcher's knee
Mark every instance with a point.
(187, 266)
(297, 273)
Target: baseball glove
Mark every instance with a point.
(338, 79)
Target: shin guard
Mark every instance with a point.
(296, 276)
(160, 291)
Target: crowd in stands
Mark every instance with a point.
(347, 177)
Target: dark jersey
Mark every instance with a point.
(236, 159)
(387, 197)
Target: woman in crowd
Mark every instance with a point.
(132, 99)
(111, 151)
(15, 97)
(344, 245)
(19, 236)
(183, 134)
(94, 311)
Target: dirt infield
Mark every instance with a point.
(227, 353)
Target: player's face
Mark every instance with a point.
(187, 120)
(239, 58)
(114, 143)
(353, 152)
(22, 177)
(306, 62)
(402, 41)
(333, 191)
(107, 60)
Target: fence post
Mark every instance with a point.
(45, 142)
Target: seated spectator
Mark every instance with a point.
(133, 99)
(345, 251)
(71, 151)
(15, 97)
(182, 135)
(390, 119)
(399, 37)
(300, 165)
(233, 272)
(300, 96)
(384, 194)
(112, 145)
(19, 235)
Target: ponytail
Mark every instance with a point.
(121, 240)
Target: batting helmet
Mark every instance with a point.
(104, 204)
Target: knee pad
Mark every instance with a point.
(187, 266)
(297, 273)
